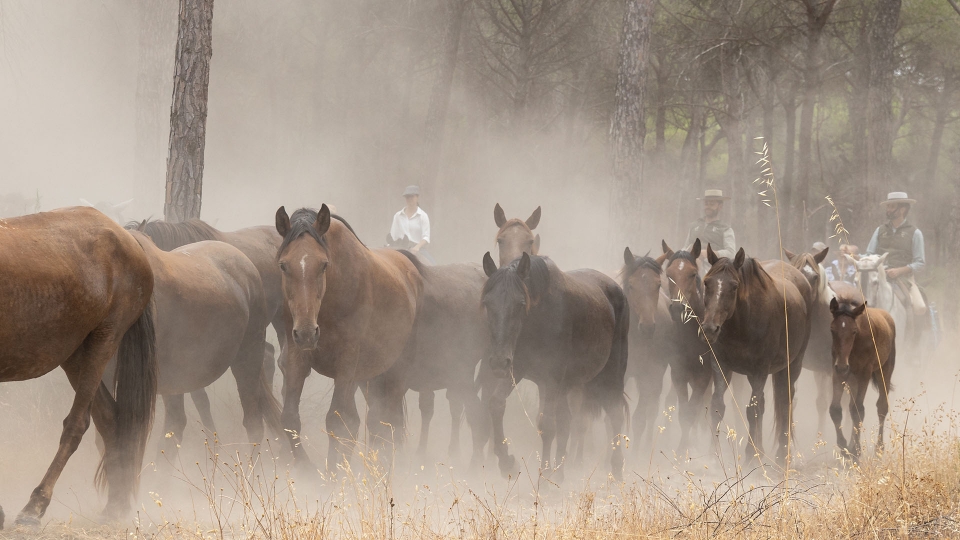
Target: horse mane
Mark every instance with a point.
(513, 222)
(639, 262)
(537, 282)
(301, 222)
(169, 236)
(685, 255)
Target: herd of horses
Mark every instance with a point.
(165, 309)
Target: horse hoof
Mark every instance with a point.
(27, 521)
(507, 465)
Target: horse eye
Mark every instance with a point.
(283, 267)
(323, 267)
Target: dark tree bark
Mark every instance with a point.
(156, 19)
(789, 104)
(188, 112)
(628, 130)
(880, 105)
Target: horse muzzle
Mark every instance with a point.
(710, 332)
(502, 367)
(306, 339)
(842, 369)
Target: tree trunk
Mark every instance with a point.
(156, 20)
(880, 106)
(628, 129)
(188, 111)
(789, 104)
(440, 101)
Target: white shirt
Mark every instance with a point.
(415, 228)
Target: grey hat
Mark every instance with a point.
(411, 190)
(713, 195)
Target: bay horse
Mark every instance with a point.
(515, 236)
(349, 314)
(690, 369)
(757, 322)
(259, 244)
(210, 316)
(76, 291)
(566, 332)
(864, 350)
(818, 358)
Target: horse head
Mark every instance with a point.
(810, 266)
(506, 300)
(720, 289)
(683, 281)
(303, 258)
(872, 276)
(515, 236)
(641, 284)
(844, 329)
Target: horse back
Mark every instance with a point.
(260, 245)
(877, 332)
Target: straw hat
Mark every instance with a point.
(713, 195)
(897, 197)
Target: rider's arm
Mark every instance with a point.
(872, 246)
(729, 248)
(919, 259)
(425, 228)
(396, 231)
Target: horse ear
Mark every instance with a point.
(790, 255)
(322, 224)
(738, 260)
(498, 217)
(819, 257)
(661, 258)
(536, 244)
(711, 256)
(666, 249)
(283, 222)
(523, 267)
(697, 248)
(859, 310)
(628, 258)
(489, 267)
(850, 258)
(834, 306)
(534, 219)
(882, 259)
(142, 226)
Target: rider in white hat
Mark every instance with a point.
(710, 230)
(903, 244)
(412, 223)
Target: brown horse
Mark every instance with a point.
(864, 350)
(210, 316)
(565, 331)
(757, 322)
(259, 244)
(76, 290)
(690, 368)
(514, 236)
(349, 312)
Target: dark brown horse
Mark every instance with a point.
(758, 325)
(259, 244)
(514, 236)
(76, 291)
(690, 368)
(566, 332)
(210, 317)
(864, 350)
(349, 312)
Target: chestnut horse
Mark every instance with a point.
(210, 316)
(566, 332)
(757, 322)
(349, 314)
(259, 244)
(690, 369)
(514, 236)
(864, 350)
(76, 291)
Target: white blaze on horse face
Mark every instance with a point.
(681, 266)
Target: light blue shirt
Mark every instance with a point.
(919, 260)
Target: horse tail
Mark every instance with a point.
(269, 406)
(421, 269)
(781, 403)
(136, 379)
(610, 380)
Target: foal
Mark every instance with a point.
(864, 350)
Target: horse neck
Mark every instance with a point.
(349, 264)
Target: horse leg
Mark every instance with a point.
(717, 405)
(295, 372)
(836, 412)
(685, 410)
(579, 422)
(456, 419)
(174, 421)
(427, 401)
(563, 435)
(343, 423)
(547, 423)
(755, 414)
(649, 389)
(883, 407)
(614, 406)
(699, 384)
(269, 364)
(84, 370)
(202, 403)
(496, 406)
(856, 412)
(784, 388)
(247, 371)
(824, 389)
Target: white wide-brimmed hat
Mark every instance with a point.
(897, 197)
(713, 195)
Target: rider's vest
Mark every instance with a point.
(708, 233)
(899, 244)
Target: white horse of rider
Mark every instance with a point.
(878, 292)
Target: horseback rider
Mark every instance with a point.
(412, 223)
(903, 244)
(710, 230)
(841, 269)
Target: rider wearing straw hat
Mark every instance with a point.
(903, 244)
(710, 230)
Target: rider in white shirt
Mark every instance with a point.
(412, 222)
